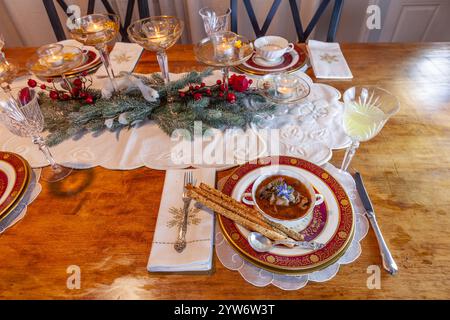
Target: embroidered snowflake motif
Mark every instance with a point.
(329, 58)
(121, 58)
(178, 214)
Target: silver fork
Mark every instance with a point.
(180, 244)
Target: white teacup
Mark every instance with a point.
(295, 224)
(272, 48)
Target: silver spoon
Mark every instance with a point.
(261, 243)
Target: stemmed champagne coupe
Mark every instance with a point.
(27, 121)
(366, 111)
(158, 34)
(97, 30)
(223, 49)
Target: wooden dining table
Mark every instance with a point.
(102, 221)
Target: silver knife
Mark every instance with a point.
(388, 262)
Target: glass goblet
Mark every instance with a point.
(158, 34)
(97, 30)
(366, 111)
(212, 22)
(28, 121)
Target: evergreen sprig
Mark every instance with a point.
(70, 119)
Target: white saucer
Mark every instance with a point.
(265, 63)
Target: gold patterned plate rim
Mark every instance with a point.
(23, 184)
(345, 226)
(293, 272)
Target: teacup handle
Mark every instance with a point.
(319, 199)
(290, 47)
(246, 201)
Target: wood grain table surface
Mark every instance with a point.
(103, 221)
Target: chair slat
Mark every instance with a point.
(302, 34)
(54, 19)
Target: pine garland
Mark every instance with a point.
(71, 119)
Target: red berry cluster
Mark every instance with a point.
(78, 89)
(197, 92)
(236, 83)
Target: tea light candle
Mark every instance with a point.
(54, 60)
(95, 27)
(224, 50)
(284, 90)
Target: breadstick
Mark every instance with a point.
(235, 217)
(229, 205)
(251, 212)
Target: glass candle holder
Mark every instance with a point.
(283, 88)
(51, 55)
(54, 61)
(157, 34)
(223, 49)
(97, 30)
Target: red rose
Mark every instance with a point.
(239, 83)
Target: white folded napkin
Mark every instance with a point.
(327, 60)
(197, 256)
(124, 57)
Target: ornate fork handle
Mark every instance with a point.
(180, 244)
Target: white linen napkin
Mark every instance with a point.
(124, 57)
(197, 256)
(327, 60)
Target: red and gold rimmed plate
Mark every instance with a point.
(290, 62)
(91, 62)
(332, 225)
(15, 175)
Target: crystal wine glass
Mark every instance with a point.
(97, 30)
(158, 34)
(366, 111)
(27, 121)
(214, 23)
